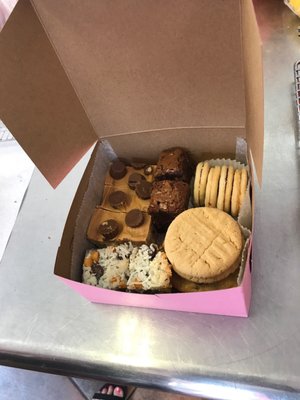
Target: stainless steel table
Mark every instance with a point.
(46, 326)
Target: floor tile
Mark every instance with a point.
(27, 385)
(87, 387)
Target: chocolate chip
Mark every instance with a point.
(134, 218)
(153, 249)
(98, 270)
(117, 199)
(117, 169)
(148, 170)
(136, 163)
(109, 229)
(134, 179)
(143, 190)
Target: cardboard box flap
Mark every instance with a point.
(37, 102)
(71, 71)
(144, 65)
(253, 69)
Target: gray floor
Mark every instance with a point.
(27, 385)
(30, 385)
(15, 173)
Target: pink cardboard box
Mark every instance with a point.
(138, 77)
(234, 301)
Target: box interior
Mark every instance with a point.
(75, 242)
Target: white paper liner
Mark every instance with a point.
(246, 234)
(241, 150)
(245, 213)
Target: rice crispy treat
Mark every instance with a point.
(149, 269)
(108, 267)
(137, 269)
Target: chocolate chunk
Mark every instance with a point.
(168, 199)
(134, 179)
(117, 169)
(143, 190)
(136, 163)
(148, 170)
(153, 249)
(98, 270)
(174, 164)
(117, 199)
(109, 229)
(134, 218)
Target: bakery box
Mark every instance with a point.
(136, 77)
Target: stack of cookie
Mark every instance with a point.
(204, 246)
(220, 186)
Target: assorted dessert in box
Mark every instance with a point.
(169, 227)
(140, 97)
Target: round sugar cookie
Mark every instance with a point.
(197, 184)
(228, 189)
(235, 197)
(204, 244)
(203, 183)
(243, 187)
(214, 187)
(222, 185)
(208, 187)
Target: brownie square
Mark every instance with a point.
(168, 199)
(174, 164)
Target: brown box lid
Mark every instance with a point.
(73, 71)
